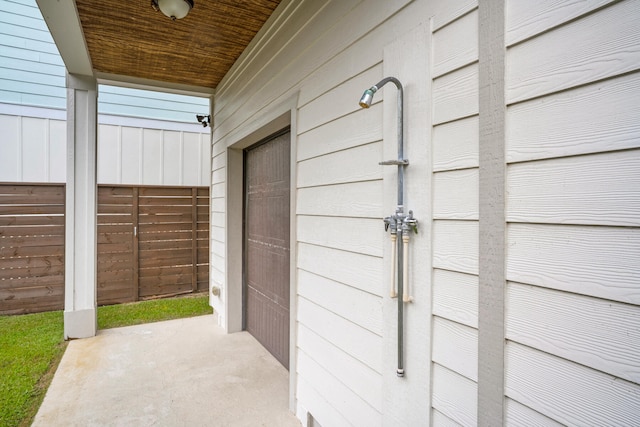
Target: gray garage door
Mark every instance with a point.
(266, 268)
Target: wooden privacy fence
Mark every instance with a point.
(31, 248)
(152, 242)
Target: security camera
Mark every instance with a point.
(204, 120)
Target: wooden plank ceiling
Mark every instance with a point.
(129, 38)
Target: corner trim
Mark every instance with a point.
(492, 222)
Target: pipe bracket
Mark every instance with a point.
(403, 162)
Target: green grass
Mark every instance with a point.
(115, 316)
(32, 345)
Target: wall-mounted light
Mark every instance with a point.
(174, 9)
(204, 120)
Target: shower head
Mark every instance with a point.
(367, 97)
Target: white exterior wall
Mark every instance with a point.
(573, 186)
(455, 147)
(573, 211)
(320, 59)
(33, 149)
(572, 189)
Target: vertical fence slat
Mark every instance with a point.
(135, 288)
(194, 239)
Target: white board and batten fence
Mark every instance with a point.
(33, 149)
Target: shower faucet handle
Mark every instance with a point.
(390, 221)
(410, 223)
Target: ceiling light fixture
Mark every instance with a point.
(174, 9)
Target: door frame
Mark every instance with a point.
(270, 121)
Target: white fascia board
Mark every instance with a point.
(64, 24)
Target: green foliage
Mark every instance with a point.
(32, 345)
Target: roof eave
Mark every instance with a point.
(64, 24)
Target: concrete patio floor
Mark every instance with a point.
(184, 372)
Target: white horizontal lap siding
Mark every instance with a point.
(455, 138)
(455, 194)
(348, 234)
(455, 246)
(30, 68)
(597, 117)
(360, 199)
(328, 54)
(455, 396)
(147, 104)
(456, 347)
(348, 406)
(598, 261)
(338, 257)
(334, 30)
(339, 266)
(453, 47)
(601, 334)
(339, 206)
(355, 129)
(455, 296)
(333, 165)
(574, 53)
(455, 145)
(438, 419)
(337, 102)
(526, 19)
(360, 307)
(567, 392)
(341, 332)
(455, 95)
(353, 165)
(597, 189)
(351, 372)
(572, 302)
(518, 415)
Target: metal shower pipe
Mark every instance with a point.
(400, 224)
(365, 102)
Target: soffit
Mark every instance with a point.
(129, 38)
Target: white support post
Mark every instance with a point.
(80, 304)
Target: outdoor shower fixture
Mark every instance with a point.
(400, 224)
